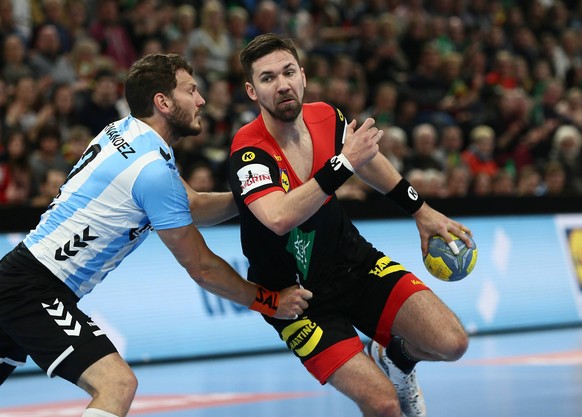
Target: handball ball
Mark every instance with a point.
(443, 264)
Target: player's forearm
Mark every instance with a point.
(212, 208)
(379, 174)
(281, 212)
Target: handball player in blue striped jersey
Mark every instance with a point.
(125, 185)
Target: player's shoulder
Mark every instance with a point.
(253, 134)
(319, 112)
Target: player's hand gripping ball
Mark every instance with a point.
(443, 264)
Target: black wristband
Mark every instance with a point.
(333, 174)
(406, 197)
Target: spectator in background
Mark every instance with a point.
(297, 23)
(452, 144)
(529, 182)
(22, 110)
(10, 24)
(265, 18)
(112, 36)
(503, 184)
(423, 154)
(482, 185)
(479, 156)
(213, 36)
(45, 55)
(176, 35)
(237, 19)
(567, 150)
(394, 146)
(427, 87)
(554, 180)
(54, 14)
(383, 108)
(458, 181)
(570, 107)
(102, 104)
(15, 172)
(81, 66)
(77, 22)
(49, 187)
(47, 155)
(75, 143)
(201, 177)
(15, 63)
(220, 117)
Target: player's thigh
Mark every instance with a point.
(425, 320)
(361, 380)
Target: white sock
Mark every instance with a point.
(93, 412)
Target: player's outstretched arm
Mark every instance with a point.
(380, 174)
(210, 208)
(216, 276)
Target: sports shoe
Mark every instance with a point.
(409, 394)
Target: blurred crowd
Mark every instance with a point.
(476, 97)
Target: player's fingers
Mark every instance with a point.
(368, 123)
(378, 135)
(306, 294)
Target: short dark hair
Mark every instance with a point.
(263, 45)
(150, 75)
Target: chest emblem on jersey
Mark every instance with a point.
(248, 156)
(285, 180)
(300, 245)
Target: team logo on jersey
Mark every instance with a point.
(285, 180)
(278, 158)
(302, 336)
(248, 156)
(72, 247)
(253, 176)
(138, 231)
(300, 245)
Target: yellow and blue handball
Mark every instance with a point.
(443, 264)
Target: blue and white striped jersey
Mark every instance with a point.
(125, 184)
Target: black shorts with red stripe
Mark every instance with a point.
(326, 335)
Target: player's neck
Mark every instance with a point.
(285, 132)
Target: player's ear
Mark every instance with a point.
(304, 77)
(162, 102)
(251, 91)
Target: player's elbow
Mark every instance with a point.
(281, 224)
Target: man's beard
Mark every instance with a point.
(289, 113)
(180, 122)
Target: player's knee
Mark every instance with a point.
(126, 385)
(457, 345)
(118, 389)
(384, 406)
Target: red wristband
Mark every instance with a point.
(266, 301)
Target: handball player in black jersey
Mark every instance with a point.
(284, 169)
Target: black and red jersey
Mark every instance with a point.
(324, 246)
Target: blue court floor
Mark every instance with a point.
(530, 374)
